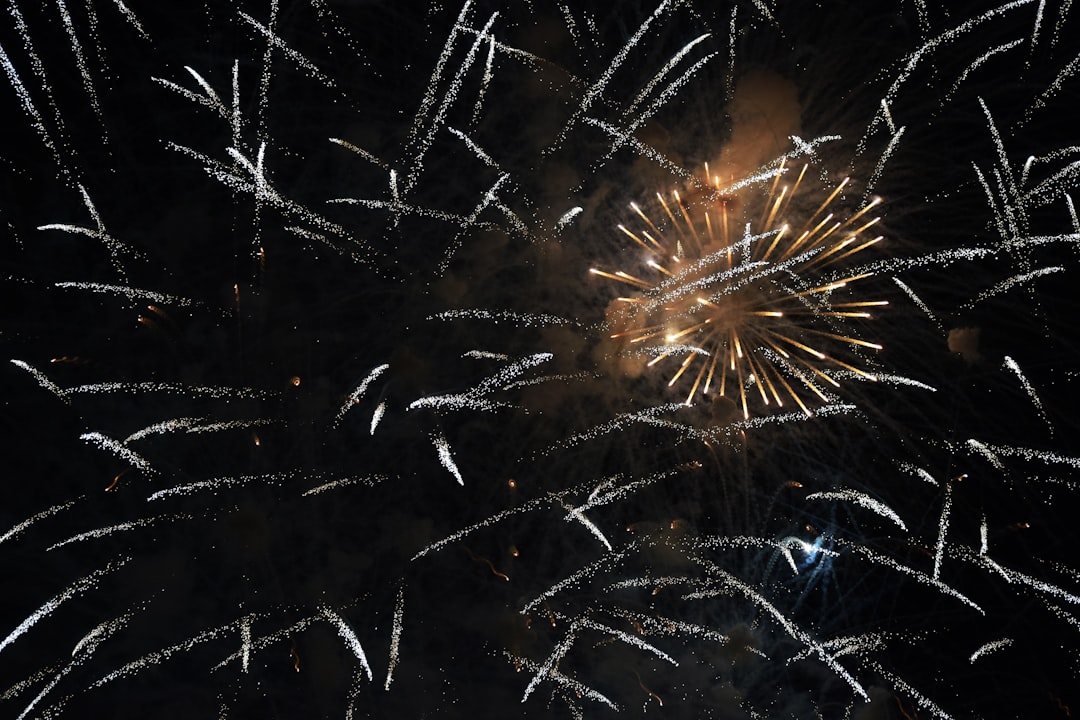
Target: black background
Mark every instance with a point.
(306, 323)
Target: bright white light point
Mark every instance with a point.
(807, 548)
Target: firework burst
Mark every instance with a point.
(750, 304)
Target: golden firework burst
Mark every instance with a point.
(752, 305)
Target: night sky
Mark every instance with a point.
(295, 291)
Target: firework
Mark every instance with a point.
(314, 403)
(731, 302)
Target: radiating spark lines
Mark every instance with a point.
(751, 314)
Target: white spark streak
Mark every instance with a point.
(222, 482)
(80, 59)
(567, 218)
(732, 582)
(15, 531)
(275, 41)
(349, 636)
(943, 527)
(990, 647)
(265, 641)
(131, 18)
(640, 118)
(376, 416)
(888, 379)
(77, 588)
(121, 527)
(551, 662)
(626, 638)
(42, 380)
(928, 48)
(196, 425)
(118, 449)
(257, 184)
(171, 388)
(862, 499)
(1038, 26)
(577, 688)
(911, 572)
(1030, 454)
(980, 60)
(1019, 578)
(483, 156)
(624, 138)
(369, 481)
(918, 472)
(1012, 365)
(879, 168)
(585, 572)
(986, 452)
(487, 522)
(446, 458)
(158, 656)
(429, 93)
(473, 398)
(499, 316)
(486, 355)
(886, 113)
(209, 98)
(578, 515)
(358, 392)
(361, 152)
(597, 89)
(245, 643)
(80, 654)
(395, 638)
(911, 692)
(1008, 283)
(24, 95)
(1055, 87)
(136, 294)
(648, 416)
(485, 81)
(662, 73)
(115, 247)
(428, 138)
(919, 303)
